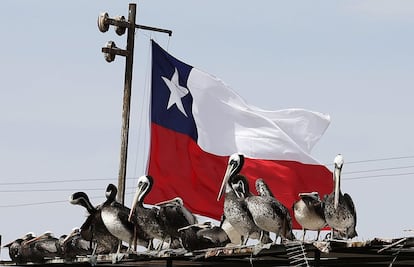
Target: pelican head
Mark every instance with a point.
(82, 199)
(144, 186)
(111, 192)
(29, 235)
(234, 166)
(310, 198)
(339, 161)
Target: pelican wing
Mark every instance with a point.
(320, 210)
(46, 247)
(350, 203)
(278, 207)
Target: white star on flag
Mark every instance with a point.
(176, 92)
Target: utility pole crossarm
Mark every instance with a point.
(143, 27)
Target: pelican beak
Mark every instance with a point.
(8, 244)
(35, 239)
(173, 201)
(73, 233)
(336, 198)
(184, 228)
(337, 181)
(226, 178)
(199, 225)
(137, 198)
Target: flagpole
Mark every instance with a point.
(110, 51)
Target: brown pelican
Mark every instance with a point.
(115, 217)
(93, 229)
(339, 208)
(148, 219)
(309, 213)
(202, 236)
(15, 248)
(43, 247)
(235, 207)
(268, 213)
(74, 245)
(174, 215)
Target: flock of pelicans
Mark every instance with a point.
(249, 216)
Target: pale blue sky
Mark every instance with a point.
(60, 102)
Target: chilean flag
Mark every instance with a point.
(197, 122)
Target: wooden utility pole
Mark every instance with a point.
(126, 104)
(110, 52)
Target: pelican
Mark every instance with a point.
(115, 217)
(43, 247)
(148, 219)
(268, 213)
(174, 215)
(74, 245)
(309, 213)
(340, 211)
(235, 207)
(202, 236)
(93, 229)
(15, 247)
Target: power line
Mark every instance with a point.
(381, 159)
(49, 190)
(60, 181)
(374, 160)
(32, 204)
(381, 169)
(55, 190)
(43, 203)
(379, 176)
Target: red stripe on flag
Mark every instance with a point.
(180, 168)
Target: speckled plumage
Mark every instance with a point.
(148, 219)
(268, 213)
(238, 215)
